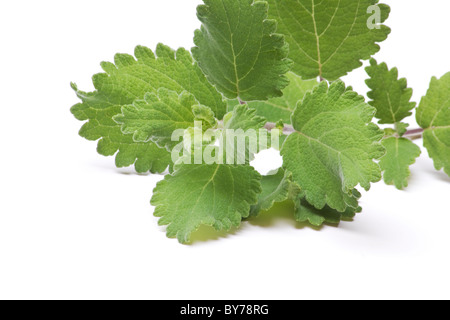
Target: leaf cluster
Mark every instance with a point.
(264, 65)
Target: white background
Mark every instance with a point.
(73, 226)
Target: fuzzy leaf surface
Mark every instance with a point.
(242, 127)
(244, 118)
(214, 195)
(433, 115)
(281, 108)
(390, 95)
(334, 146)
(129, 79)
(238, 50)
(304, 212)
(157, 116)
(328, 38)
(400, 154)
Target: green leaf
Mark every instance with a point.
(401, 128)
(245, 118)
(276, 187)
(334, 146)
(128, 80)
(205, 116)
(145, 156)
(304, 212)
(328, 38)
(243, 127)
(398, 131)
(157, 116)
(237, 140)
(400, 154)
(390, 95)
(276, 109)
(213, 195)
(238, 50)
(433, 115)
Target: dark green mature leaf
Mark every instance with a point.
(214, 195)
(334, 146)
(328, 38)
(390, 95)
(279, 187)
(304, 212)
(128, 80)
(276, 187)
(433, 115)
(400, 154)
(238, 50)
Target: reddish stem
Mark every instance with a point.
(413, 134)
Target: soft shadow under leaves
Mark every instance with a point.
(280, 214)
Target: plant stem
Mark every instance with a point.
(396, 127)
(413, 134)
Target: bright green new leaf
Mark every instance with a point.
(205, 116)
(400, 154)
(157, 116)
(329, 38)
(240, 137)
(238, 50)
(390, 95)
(398, 131)
(401, 128)
(433, 115)
(276, 187)
(334, 146)
(213, 195)
(243, 117)
(244, 133)
(276, 109)
(128, 80)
